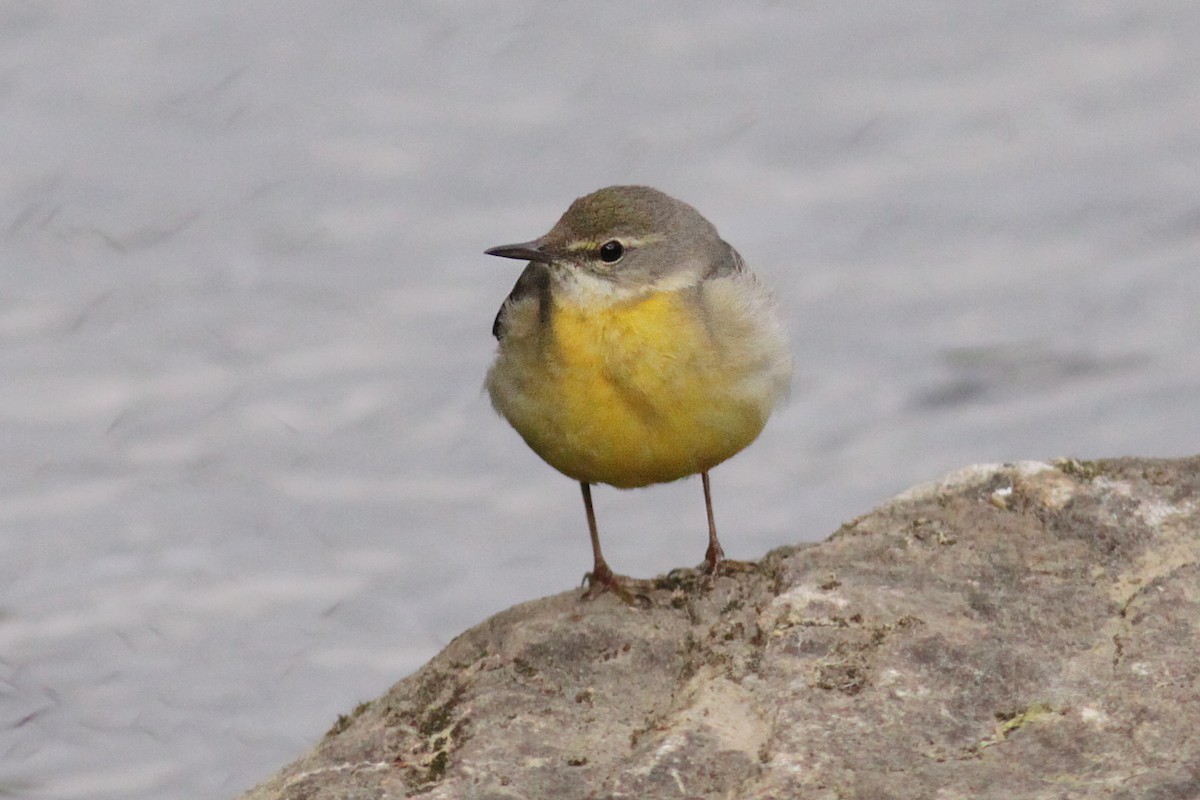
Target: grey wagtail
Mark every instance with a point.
(636, 348)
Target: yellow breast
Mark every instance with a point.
(629, 394)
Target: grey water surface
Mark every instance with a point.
(248, 477)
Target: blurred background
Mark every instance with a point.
(248, 476)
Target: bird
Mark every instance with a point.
(636, 348)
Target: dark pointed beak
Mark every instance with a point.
(525, 251)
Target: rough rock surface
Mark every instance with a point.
(1017, 631)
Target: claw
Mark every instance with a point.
(601, 580)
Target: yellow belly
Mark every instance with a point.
(628, 395)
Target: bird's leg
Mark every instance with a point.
(714, 555)
(601, 578)
(600, 570)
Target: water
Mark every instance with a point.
(248, 477)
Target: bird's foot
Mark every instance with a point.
(714, 568)
(602, 579)
(727, 566)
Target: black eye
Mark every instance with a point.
(611, 251)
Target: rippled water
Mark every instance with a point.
(248, 477)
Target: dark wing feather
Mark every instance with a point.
(725, 261)
(534, 282)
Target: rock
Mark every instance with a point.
(1022, 631)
